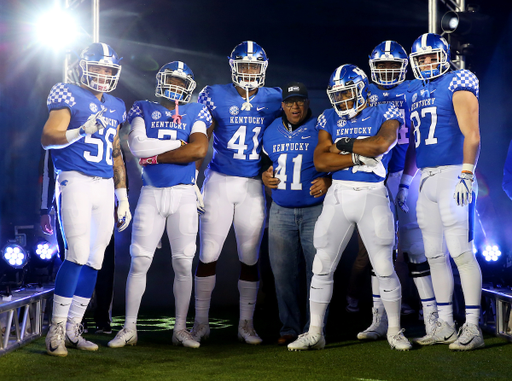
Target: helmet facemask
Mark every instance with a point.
(167, 86)
(248, 73)
(341, 97)
(432, 70)
(388, 78)
(99, 82)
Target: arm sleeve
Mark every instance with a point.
(142, 146)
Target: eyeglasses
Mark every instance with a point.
(300, 102)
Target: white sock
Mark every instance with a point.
(442, 282)
(78, 308)
(248, 295)
(203, 294)
(61, 306)
(377, 301)
(182, 289)
(135, 287)
(471, 281)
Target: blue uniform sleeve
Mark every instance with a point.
(60, 97)
(135, 111)
(205, 116)
(321, 122)
(205, 98)
(464, 80)
(393, 112)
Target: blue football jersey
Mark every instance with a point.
(237, 134)
(437, 135)
(367, 123)
(92, 154)
(397, 96)
(292, 158)
(159, 125)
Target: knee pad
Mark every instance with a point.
(182, 266)
(321, 289)
(138, 251)
(209, 251)
(466, 258)
(415, 252)
(390, 288)
(323, 265)
(140, 265)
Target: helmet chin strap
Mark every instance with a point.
(247, 104)
(176, 118)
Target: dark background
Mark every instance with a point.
(304, 40)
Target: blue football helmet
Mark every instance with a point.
(430, 43)
(348, 84)
(99, 54)
(245, 54)
(173, 90)
(388, 51)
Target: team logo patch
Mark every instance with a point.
(156, 115)
(423, 92)
(233, 110)
(414, 97)
(341, 122)
(93, 107)
(374, 98)
(385, 94)
(168, 114)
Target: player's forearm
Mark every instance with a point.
(146, 147)
(59, 139)
(373, 146)
(191, 152)
(410, 167)
(331, 162)
(471, 148)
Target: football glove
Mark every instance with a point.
(199, 201)
(363, 160)
(123, 209)
(94, 123)
(464, 189)
(148, 160)
(401, 198)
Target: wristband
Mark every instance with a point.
(403, 186)
(74, 134)
(406, 180)
(121, 194)
(466, 167)
(345, 144)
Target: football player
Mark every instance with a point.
(83, 132)
(444, 111)
(388, 65)
(357, 197)
(298, 191)
(232, 190)
(168, 144)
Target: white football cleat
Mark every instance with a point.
(379, 327)
(74, 337)
(200, 331)
(430, 321)
(307, 341)
(55, 345)
(124, 337)
(247, 333)
(399, 341)
(470, 337)
(184, 338)
(442, 333)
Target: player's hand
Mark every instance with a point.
(46, 224)
(401, 198)
(368, 161)
(268, 178)
(148, 160)
(123, 209)
(94, 123)
(319, 186)
(199, 201)
(464, 189)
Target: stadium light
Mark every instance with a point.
(14, 255)
(491, 253)
(459, 23)
(56, 29)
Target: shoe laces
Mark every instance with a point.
(399, 336)
(59, 331)
(467, 330)
(433, 318)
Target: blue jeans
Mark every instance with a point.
(290, 235)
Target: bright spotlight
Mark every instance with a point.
(57, 29)
(15, 256)
(44, 250)
(491, 253)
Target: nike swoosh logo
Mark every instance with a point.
(467, 342)
(448, 337)
(127, 340)
(433, 91)
(52, 349)
(399, 95)
(306, 137)
(368, 117)
(75, 343)
(259, 108)
(112, 111)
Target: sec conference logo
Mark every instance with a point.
(156, 115)
(341, 122)
(233, 110)
(374, 98)
(93, 107)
